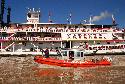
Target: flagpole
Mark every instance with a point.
(90, 20)
(113, 20)
(70, 18)
(49, 20)
(49, 17)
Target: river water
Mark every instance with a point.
(23, 70)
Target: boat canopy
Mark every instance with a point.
(73, 54)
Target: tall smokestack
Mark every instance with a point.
(2, 12)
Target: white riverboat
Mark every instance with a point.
(31, 37)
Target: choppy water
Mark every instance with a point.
(23, 70)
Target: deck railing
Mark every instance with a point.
(58, 30)
(31, 38)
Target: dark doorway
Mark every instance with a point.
(68, 44)
(71, 55)
(81, 54)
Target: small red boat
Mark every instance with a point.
(72, 61)
(69, 63)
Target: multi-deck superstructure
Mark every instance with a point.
(31, 37)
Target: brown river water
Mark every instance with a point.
(23, 70)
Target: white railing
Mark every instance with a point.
(59, 29)
(32, 38)
(9, 45)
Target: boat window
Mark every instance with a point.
(64, 26)
(98, 43)
(104, 30)
(29, 15)
(76, 26)
(90, 48)
(64, 53)
(78, 54)
(69, 26)
(84, 26)
(108, 42)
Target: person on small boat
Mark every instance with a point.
(95, 60)
(71, 57)
(58, 52)
(46, 53)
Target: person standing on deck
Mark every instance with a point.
(86, 45)
(46, 53)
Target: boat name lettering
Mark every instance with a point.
(74, 36)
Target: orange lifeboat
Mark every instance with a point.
(66, 63)
(71, 58)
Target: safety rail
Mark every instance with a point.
(59, 30)
(31, 38)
